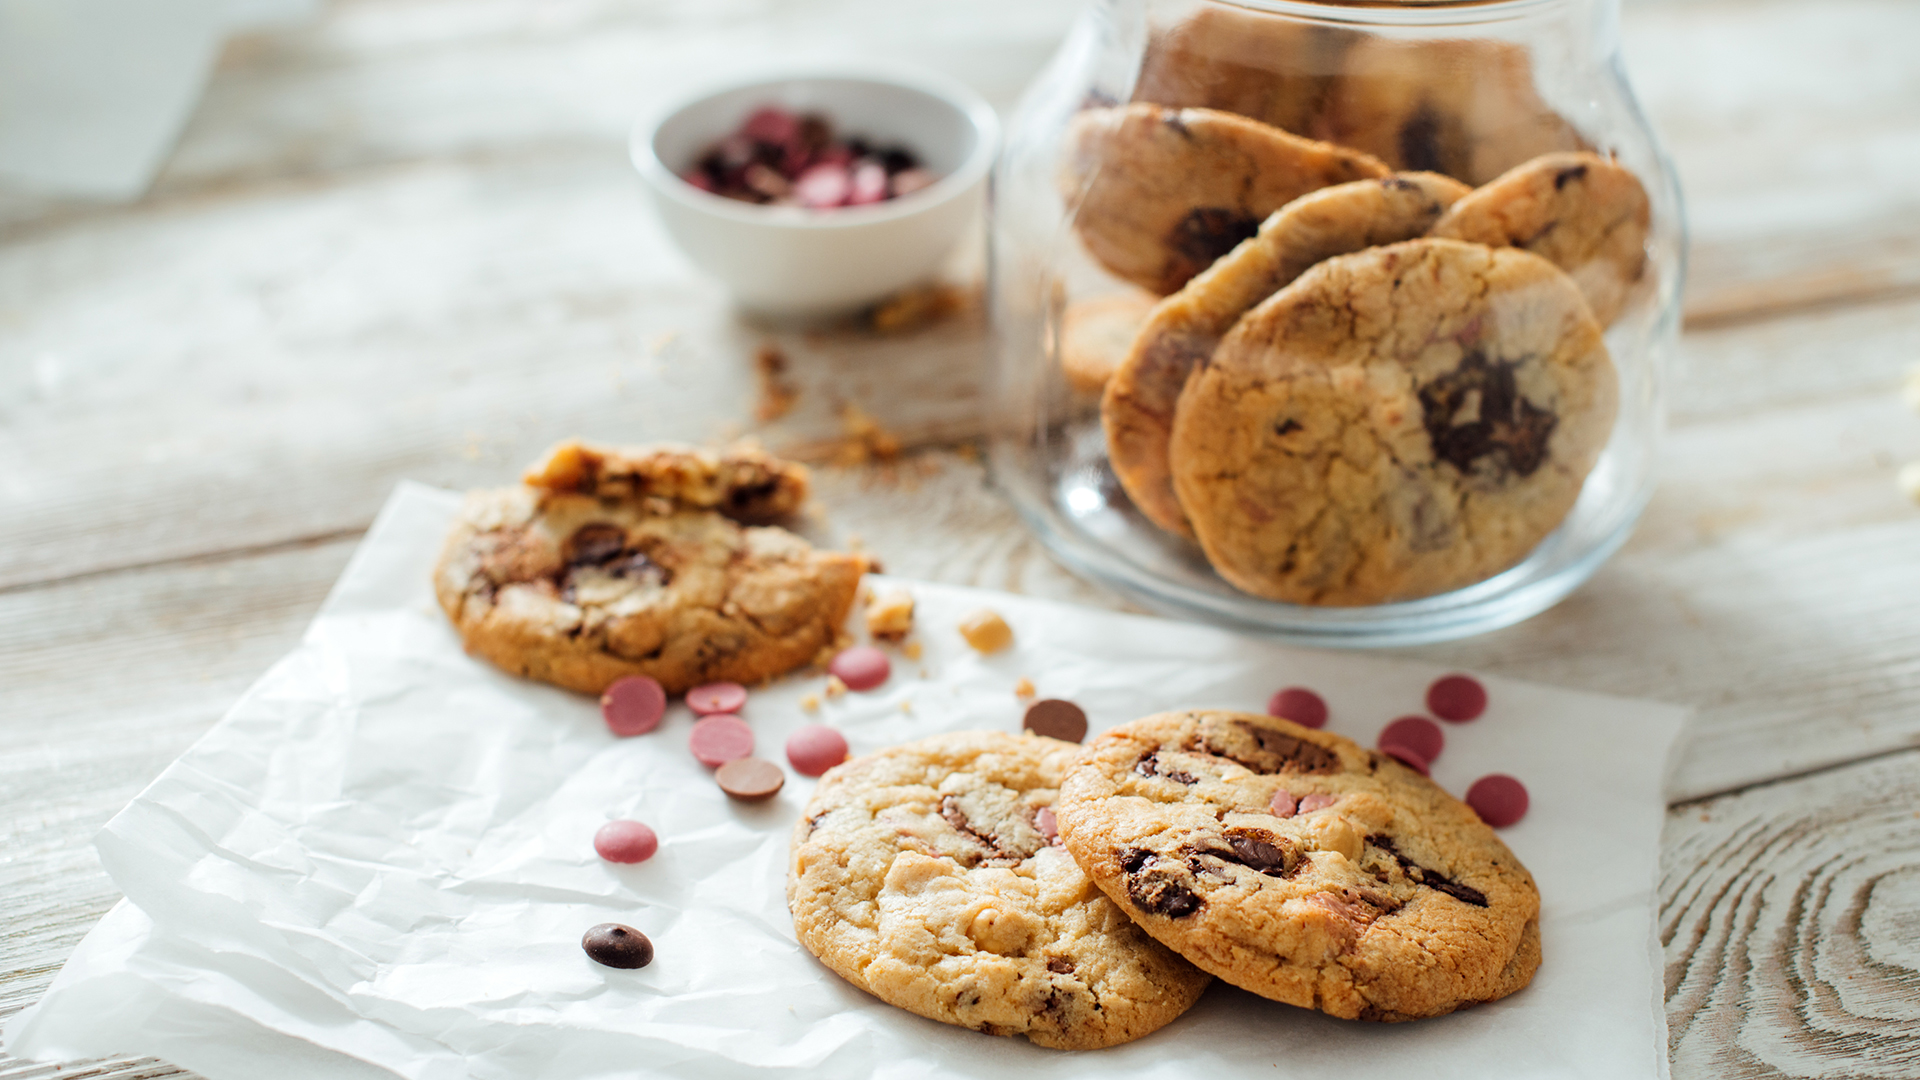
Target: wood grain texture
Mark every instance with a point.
(107, 680)
(1791, 921)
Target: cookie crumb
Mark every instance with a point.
(907, 707)
(1024, 688)
(777, 392)
(1910, 481)
(917, 307)
(912, 650)
(1913, 389)
(835, 688)
(810, 702)
(865, 440)
(890, 614)
(986, 631)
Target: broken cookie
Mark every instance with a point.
(617, 562)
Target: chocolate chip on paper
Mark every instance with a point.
(617, 946)
(1056, 719)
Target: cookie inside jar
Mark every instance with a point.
(1249, 146)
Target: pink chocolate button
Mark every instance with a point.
(719, 739)
(1415, 733)
(1406, 755)
(815, 748)
(1456, 698)
(625, 842)
(1300, 705)
(1316, 801)
(1282, 804)
(633, 705)
(823, 186)
(1499, 799)
(718, 697)
(1048, 824)
(862, 667)
(869, 184)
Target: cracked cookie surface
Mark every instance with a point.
(1396, 423)
(745, 484)
(1581, 212)
(925, 875)
(1168, 191)
(1138, 407)
(1295, 864)
(580, 589)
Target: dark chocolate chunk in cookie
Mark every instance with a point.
(1382, 898)
(1397, 423)
(1162, 192)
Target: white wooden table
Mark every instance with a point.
(405, 242)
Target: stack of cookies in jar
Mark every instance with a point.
(1365, 360)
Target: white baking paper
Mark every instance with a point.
(380, 862)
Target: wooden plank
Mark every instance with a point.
(1796, 129)
(1788, 915)
(109, 679)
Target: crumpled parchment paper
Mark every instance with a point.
(380, 863)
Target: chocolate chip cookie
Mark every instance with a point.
(604, 567)
(1276, 70)
(1297, 865)
(927, 876)
(1581, 212)
(1467, 108)
(1095, 335)
(1168, 191)
(1137, 409)
(1396, 423)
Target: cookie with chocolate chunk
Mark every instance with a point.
(1271, 68)
(1164, 192)
(1397, 423)
(928, 876)
(1137, 409)
(615, 563)
(1583, 213)
(1300, 866)
(1467, 107)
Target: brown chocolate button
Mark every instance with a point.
(1056, 719)
(617, 946)
(750, 778)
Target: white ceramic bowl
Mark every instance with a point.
(790, 261)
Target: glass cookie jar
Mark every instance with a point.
(1348, 323)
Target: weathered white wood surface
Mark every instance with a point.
(405, 242)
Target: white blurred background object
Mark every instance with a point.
(94, 92)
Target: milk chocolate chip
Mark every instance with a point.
(1157, 890)
(1056, 719)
